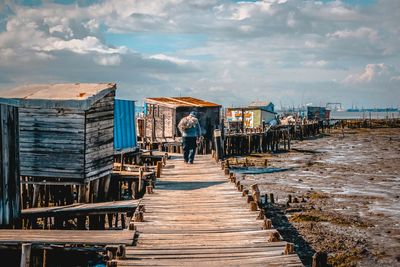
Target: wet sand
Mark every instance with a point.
(348, 191)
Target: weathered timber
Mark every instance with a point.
(9, 167)
(81, 209)
(196, 218)
(66, 130)
(64, 237)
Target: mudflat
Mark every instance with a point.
(345, 191)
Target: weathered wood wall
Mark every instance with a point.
(68, 143)
(160, 123)
(9, 164)
(99, 137)
(52, 142)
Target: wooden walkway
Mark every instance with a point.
(195, 217)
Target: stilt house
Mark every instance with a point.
(163, 114)
(66, 130)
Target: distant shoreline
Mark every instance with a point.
(364, 114)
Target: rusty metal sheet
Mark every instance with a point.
(181, 102)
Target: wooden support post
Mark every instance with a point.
(138, 216)
(158, 170)
(219, 150)
(132, 226)
(36, 189)
(26, 255)
(289, 198)
(245, 192)
(289, 248)
(274, 237)
(271, 198)
(256, 194)
(265, 162)
(261, 214)
(135, 190)
(253, 206)
(140, 179)
(320, 259)
(149, 189)
(226, 171)
(164, 159)
(121, 252)
(123, 222)
(267, 224)
(111, 253)
(112, 263)
(10, 208)
(249, 198)
(44, 261)
(110, 219)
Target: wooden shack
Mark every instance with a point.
(9, 167)
(66, 130)
(162, 115)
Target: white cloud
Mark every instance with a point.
(374, 73)
(79, 46)
(360, 33)
(169, 58)
(272, 48)
(108, 60)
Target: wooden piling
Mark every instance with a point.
(267, 224)
(26, 255)
(289, 248)
(138, 216)
(253, 206)
(274, 237)
(320, 259)
(158, 169)
(271, 198)
(9, 167)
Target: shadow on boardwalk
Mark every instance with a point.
(178, 185)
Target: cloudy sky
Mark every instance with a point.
(232, 52)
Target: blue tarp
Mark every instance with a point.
(124, 124)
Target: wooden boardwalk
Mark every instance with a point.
(195, 217)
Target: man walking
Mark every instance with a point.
(190, 128)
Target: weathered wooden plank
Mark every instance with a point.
(80, 209)
(64, 237)
(195, 217)
(9, 167)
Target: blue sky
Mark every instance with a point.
(231, 52)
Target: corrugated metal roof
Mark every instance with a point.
(180, 102)
(124, 124)
(73, 95)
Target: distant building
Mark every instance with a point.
(254, 117)
(264, 105)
